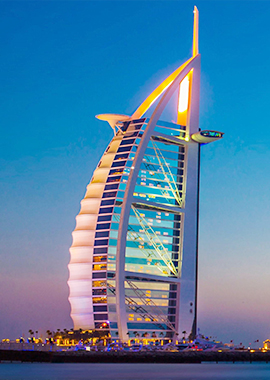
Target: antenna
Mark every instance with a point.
(196, 32)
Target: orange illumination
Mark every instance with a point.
(196, 32)
(183, 95)
(146, 104)
(140, 111)
(184, 99)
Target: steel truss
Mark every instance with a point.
(155, 241)
(167, 174)
(154, 316)
(148, 253)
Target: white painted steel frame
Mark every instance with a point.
(187, 296)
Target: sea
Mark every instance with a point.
(109, 371)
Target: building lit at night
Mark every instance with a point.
(133, 266)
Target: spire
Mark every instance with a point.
(195, 32)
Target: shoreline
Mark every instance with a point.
(131, 357)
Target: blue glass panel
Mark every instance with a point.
(103, 226)
(111, 187)
(99, 275)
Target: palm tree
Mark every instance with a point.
(31, 332)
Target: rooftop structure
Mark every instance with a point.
(134, 256)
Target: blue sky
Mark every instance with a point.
(63, 62)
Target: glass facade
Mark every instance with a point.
(154, 237)
(134, 252)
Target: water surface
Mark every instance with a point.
(108, 371)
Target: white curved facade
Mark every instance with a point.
(133, 259)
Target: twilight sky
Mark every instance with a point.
(63, 62)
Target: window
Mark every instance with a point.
(118, 164)
(101, 242)
(106, 210)
(99, 275)
(99, 266)
(138, 121)
(98, 284)
(99, 300)
(124, 149)
(116, 171)
(103, 226)
(110, 194)
(98, 259)
(100, 308)
(125, 126)
(121, 156)
(107, 202)
(111, 187)
(127, 141)
(100, 250)
(102, 234)
(104, 218)
(100, 317)
(114, 179)
(180, 172)
(131, 134)
(99, 292)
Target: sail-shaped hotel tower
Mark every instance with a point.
(134, 256)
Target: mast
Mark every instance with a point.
(195, 48)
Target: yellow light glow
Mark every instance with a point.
(183, 95)
(146, 104)
(195, 48)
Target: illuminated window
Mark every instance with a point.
(99, 266)
(99, 300)
(113, 179)
(98, 284)
(121, 156)
(98, 259)
(99, 292)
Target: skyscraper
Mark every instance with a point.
(134, 257)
